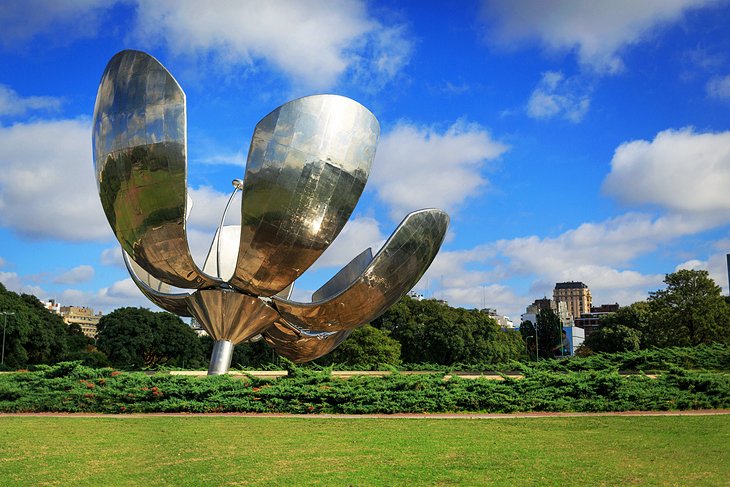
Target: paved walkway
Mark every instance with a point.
(696, 412)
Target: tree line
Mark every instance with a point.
(691, 311)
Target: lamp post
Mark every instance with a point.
(5, 325)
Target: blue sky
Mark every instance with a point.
(581, 141)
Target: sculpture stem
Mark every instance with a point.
(220, 359)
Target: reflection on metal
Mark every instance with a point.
(392, 273)
(301, 347)
(307, 166)
(344, 277)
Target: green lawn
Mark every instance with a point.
(670, 450)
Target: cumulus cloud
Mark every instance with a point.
(76, 275)
(555, 96)
(679, 170)
(208, 206)
(121, 293)
(47, 187)
(11, 103)
(596, 31)
(113, 256)
(13, 282)
(408, 173)
(22, 21)
(508, 274)
(313, 41)
(719, 87)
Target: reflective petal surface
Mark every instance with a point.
(299, 347)
(156, 291)
(307, 166)
(394, 271)
(139, 139)
(229, 315)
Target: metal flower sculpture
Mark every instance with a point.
(307, 166)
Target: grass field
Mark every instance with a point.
(179, 450)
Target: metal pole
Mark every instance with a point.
(5, 325)
(237, 184)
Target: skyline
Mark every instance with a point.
(585, 143)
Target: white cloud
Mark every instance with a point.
(692, 265)
(47, 187)
(600, 254)
(13, 282)
(555, 96)
(121, 293)
(13, 104)
(411, 162)
(719, 87)
(22, 20)
(313, 41)
(208, 206)
(680, 170)
(597, 31)
(76, 275)
(113, 256)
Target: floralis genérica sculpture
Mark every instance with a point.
(307, 166)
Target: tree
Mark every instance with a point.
(367, 346)
(690, 311)
(33, 334)
(138, 337)
(636, 317)
(614, 338)
(549, 333)
(430, 331)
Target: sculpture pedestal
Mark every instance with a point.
(220, 359)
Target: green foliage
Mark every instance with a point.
(690, 311)
(429, 331)
(366, 347)
(33, 334)
(614, 338)
(138, 337)
(576, 384)
(549, 334)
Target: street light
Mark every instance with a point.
(5, 325)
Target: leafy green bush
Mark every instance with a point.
(72, 387)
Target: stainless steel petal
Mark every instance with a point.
(344, 277)
(155, 290)
(299, 347)
(307, 166)
(139, 147)
(393, 272)
(229, 315)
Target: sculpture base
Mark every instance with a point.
(220, 359)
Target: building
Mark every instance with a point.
(52, 306)
(82, 316)
(575, 295)
(197, 328)
(558, 307)
(504, 321)
(591, 321)
(575, 337)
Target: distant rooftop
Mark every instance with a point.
(570, 285)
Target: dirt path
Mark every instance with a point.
(696, 412)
